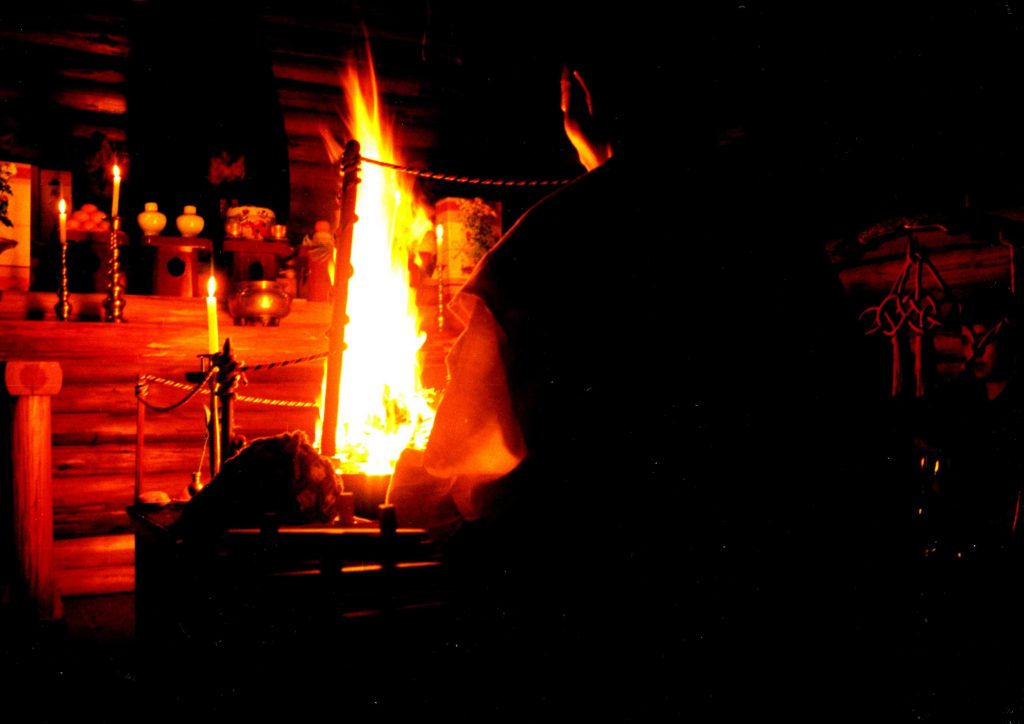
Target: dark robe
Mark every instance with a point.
(702, 484)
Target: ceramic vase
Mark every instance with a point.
(190, 223)
(151, 221)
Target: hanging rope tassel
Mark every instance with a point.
(1016, 514)
(897, 370)
(916, 349)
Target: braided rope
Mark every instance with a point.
(168, 383)
(464, 179)
(142, 388)
(285, 363)
(275, 403)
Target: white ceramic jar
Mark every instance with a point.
(190, 223)
(151, 221)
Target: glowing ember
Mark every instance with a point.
(382, 406)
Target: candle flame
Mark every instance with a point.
(62, 207)
(211, 286)
(117, 172)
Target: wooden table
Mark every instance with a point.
(256, 259)
(274, 584)
(175, 271)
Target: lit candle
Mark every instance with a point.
(211, 315)
(117, 190)
(62, 207)
(439, 235)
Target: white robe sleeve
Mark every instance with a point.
(476, 437)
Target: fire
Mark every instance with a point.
(382, 406)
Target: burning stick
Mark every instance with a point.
(350, 167)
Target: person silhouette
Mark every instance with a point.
(639, 362)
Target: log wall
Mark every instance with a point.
(94, 416)
(64, 93)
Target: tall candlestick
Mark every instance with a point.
(117, 190)
(63, 307)
(114, 303)
(211, 315)
(62, 207)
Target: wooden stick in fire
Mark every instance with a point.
(140, 440)
(215, 449)
(350, 167)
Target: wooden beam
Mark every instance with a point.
(31, 384)
(90, 43)
(93, 100)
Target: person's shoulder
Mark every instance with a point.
(581, 191)
(573, 206)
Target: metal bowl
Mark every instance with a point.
(259, 302)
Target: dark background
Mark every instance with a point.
(869, 111)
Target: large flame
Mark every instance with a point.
(382, 406)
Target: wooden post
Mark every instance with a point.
(226, 393)
(215, 451)
(29, 386)
(140, 440)
(350, 165)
